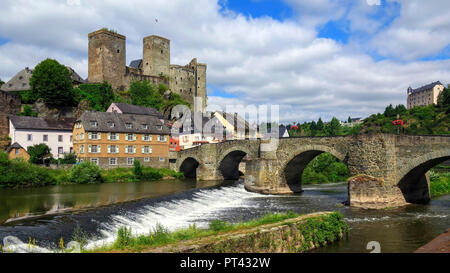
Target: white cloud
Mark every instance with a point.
(259, 60)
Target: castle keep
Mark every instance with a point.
(107, 62)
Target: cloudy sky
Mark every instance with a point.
(314, 58)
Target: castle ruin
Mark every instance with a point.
(107, 62)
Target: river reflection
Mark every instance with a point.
(18, 204)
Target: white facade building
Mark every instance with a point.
(29, 131)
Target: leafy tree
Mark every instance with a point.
(444, 99)
(137, 169)
(334, 127)
(99, 95)
(1, 82)
(39, 153)
(349, 120)
(52, 82)
(145, 94)
(389, 111)
(400, 109)
(320, 126)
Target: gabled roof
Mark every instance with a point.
(137, 110)
(15, 145)
(104, 120)
(21, 81)
(33, 123)
(425, 87)
(136, 64)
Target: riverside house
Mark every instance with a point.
(111, 140)
(29, 131)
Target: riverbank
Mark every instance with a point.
(276, 232)
(440, 244)
(21, 174)
(439, 184)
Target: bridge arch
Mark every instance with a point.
(229, 162)
(189, 166)
(293, 167)
(412, 180)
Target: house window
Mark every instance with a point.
(162, 159)
(30, 137)
(60, 150)
(130, 160)
(94, 160)
(45, 138)
(60, 138)
(82, 136)
(94, 149)
(113, 149)
(162, 138)
(81, 149)
(94, 136)
(130, 149)
(70, 138)
(94, 123)
(146, 137)
(146, 149)
(146, 159)
(71, 150)
(129, 125)
(130, 137)
(113, 136)
(113, 161)
(17, 151)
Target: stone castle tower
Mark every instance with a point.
(107, 62)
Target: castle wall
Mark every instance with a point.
(182, 82)
(11, 104)
(107, 57)
(156, 56)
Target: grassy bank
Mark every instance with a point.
(17, 173)
(325, 168)
(316, 230)
(439, 184)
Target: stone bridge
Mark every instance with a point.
(275, 166)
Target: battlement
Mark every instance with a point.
(107, 32)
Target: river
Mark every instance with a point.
(49, 213)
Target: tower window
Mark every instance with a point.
(118, 50)
(161, 51)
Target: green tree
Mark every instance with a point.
(349, 120)
(320, 126)
(400, 109)
(444, 99)
(145, 94)
(39, 153)
(70, 158)
(99, 95)
(28, 112)
(389, 111)
(137, 169)
(334, 127)
(1, 82)
(52, 82)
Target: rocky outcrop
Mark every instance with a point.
(369, 192)
(52, 113)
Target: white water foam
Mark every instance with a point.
(204, 205)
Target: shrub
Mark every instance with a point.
(149, 173)
(84, 173)
(99, 95)
(39, 153)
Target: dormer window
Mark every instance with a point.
(145, 126)
(159, 127)
(129, 125)
(94, 123)
(111, 124)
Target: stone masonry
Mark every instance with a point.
(107, 62)
(400, 162)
